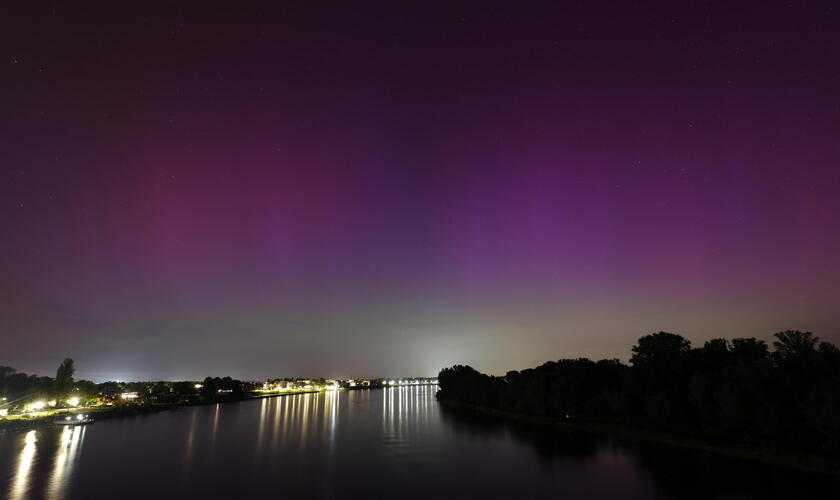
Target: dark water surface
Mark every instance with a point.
(379, 443)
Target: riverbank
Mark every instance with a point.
(130, 410)
(795, 459)
(98, 413)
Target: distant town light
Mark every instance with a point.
(53, 402)
(37, 405)
(198, 386)
(129, 395)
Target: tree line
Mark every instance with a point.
(19, 388)
(16, 385)
(736, 389)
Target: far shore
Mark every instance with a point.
(130, 409)
(17, 422)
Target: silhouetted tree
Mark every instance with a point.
(661, 347)
(727, 389)
(208, 389)
(794, 345)
(748, 350)
(64, 375)
(184, 388)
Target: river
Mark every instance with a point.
(378, 443)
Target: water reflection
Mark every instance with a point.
(331, 411)
(20, 485)
(548, 443)
(215, 426)
(188, 448)
(407, 413)
(25, 483)
(671, 472)
(261, 424)
(69, 447)
(298, 420)
(359, 444)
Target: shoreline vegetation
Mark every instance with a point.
(29, 401)
(734, 398)
(132, 409)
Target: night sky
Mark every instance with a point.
(265, 189)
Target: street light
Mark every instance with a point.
(74, 401)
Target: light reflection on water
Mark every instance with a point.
(67, 448)
(298, 419)
(20, 486)
(353, 444)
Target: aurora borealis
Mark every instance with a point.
(371, 189)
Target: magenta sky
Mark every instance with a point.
(385, 190)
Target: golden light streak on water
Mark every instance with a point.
(69, 446)
(188, 449)
(20, 485)
(216, 412)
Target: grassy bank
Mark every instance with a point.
(796, 459)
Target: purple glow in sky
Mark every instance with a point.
(371, 189)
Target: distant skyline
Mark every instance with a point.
(388, 189)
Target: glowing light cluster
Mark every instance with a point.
(37, 405)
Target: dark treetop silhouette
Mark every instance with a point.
(20, 389)
(726, 389)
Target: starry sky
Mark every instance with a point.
(386, 188)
